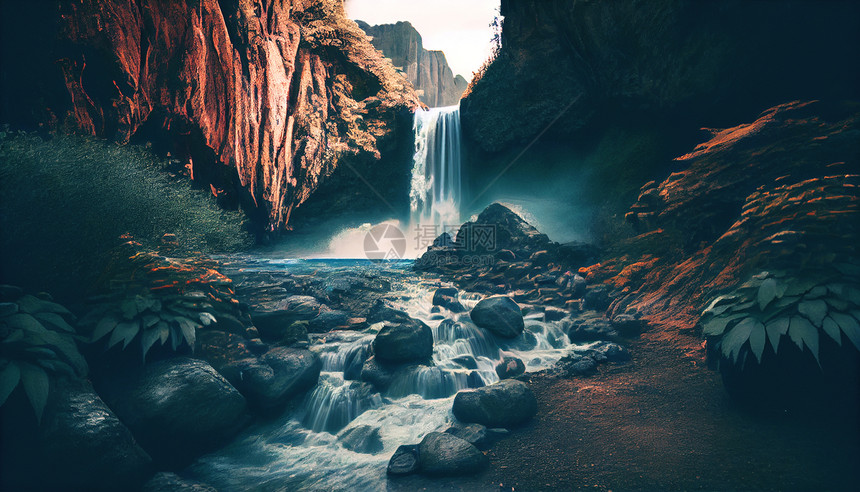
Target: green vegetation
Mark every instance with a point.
(65, 200)
(152, 299)
(37, 345)
(772, 307)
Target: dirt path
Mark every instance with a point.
(661, 422)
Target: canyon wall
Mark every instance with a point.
(428, 71)
(261, 100)
(569, 64)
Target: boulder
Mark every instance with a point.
(176, 408)
(500, 315)
(378, 373)
(407, 341)
(575, 365)
(503, 404)
(273, 317)
(404, 460)
(270, 381)
(362, 439)
(510, 367)
(80, 440)
(589, 329)
(466, 361)
(609, 352)
(441, 453)
(628, 324)
(447, 298)
(171, 482)
(327, 321)
(597, 298)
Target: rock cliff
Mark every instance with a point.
(262, 100)
(428, 71)
(569, 64)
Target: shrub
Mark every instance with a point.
(778, 333)
(151, 298)
(65, 201)
(37, 344)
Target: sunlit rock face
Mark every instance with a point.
(706, 63)
(427, 70)
(262, 100)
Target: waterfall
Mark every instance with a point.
(436, 191)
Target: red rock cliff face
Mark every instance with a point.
(263, 98)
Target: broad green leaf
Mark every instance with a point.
(743, 307)
(175, 337)
(717, 326)
(207, 319)
(156, 306)
(163, 331)
(105, 326)
(832, 329)
(9, 377)
(41, 352)
(838, 289)
(14, 336)
(849, 327)
(125, 332)
(36, 385)
(776, 329)
(816, 292)
(150, 320)
(814, 310)
(147, 339)
(142, 303)
(66, 348)
(803, 333)
(57, 367)
(837, 304)
(189, 332)
(720, 301)
(757, 337)
(129, 309)
(26, 322)
(54, 320)
(786, 301)
(33, 305)
(736, 337)
(766, 293)
(798, 287)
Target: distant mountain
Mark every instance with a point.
(428, 71)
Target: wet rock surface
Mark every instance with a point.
(80, 439)
(503, 404)
(270, 381)
(171, 482)
(500, 315)
(176, 408)
(446, 454)
(404, 461)
(362, 439)
(403, 342)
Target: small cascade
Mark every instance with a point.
(436, 192)
(334, 403)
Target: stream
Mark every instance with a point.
(302, 449)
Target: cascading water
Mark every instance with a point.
(305, 449)
(436, 192)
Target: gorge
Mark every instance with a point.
(259, 245)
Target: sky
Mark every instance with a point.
(460, 28)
